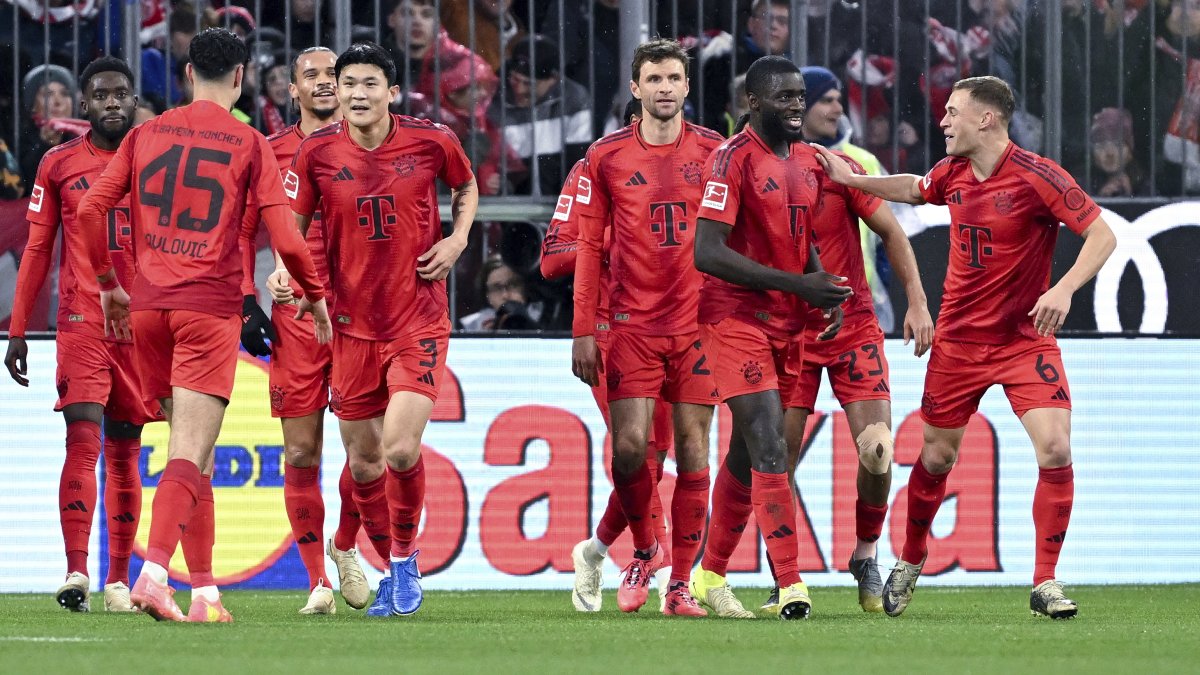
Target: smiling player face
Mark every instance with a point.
(364, 94)
(782, 107)
(960, 125)
(315, 87)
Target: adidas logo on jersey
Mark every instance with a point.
(344, 174)
(882, 387)
(771, 186)
(955, 198)
(636, 179)
(80, 184)
(1061, 395)
(427, 378)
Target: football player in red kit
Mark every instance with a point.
(998, 317)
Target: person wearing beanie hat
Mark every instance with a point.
(1116, 173)
(48, 94)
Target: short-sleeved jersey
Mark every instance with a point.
(768, 202)
(649, 196)
(63, 178)
(560, 245)
(190, 173)
(837, 239)
(380, 214)
(1002, 234)
(284, 145)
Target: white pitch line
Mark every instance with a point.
(26, 638)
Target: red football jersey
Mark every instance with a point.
(560, 245)
(284, 145)
(380, 214)
(64, 176)
(768, 202)
(836, 236)
(1002, 234)
(190, 174)
(649, 196)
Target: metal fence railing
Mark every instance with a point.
(1110, 88)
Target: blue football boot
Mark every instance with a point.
(406, 586)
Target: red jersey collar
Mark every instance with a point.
(766, 148)
(94, 149)
(386, 139)
(637, 132)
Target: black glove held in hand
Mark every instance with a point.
(256, 328)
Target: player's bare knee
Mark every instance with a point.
(629, 451)
(302, 452)
(402, 456)
(1055, 452)
(875, 448)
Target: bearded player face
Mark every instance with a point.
(108, 104)
(782, 107)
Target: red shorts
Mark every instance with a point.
(300, 368)
(673, 367)
(93, 370)
(662, 432)
(367, 373)
(858, 369)
(1030, 369)
(748, 361)
(187, 349)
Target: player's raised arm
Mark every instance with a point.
(440, 258)
(713, 256)
(902, 187)
(1051, 309)
(918, 324)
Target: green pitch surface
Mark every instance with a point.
(1119, 629)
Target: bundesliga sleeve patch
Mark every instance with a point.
(715, 195)
(583, 190)
(35, 198)
(563, 210)
(291, 183)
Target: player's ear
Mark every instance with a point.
(394, 90)
(238, 74)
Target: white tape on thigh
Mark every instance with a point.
(875, 448)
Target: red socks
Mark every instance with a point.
(689, 512)
(1052, 501)
(371, 500)
(122, 503)
(405, 499)
(77, 492)
(613, 522)
(925, 494)
(200, 535)
(775, 508)
(731, 508)
(348, 521)
(306, 513)
(634, 492)
(868, 520)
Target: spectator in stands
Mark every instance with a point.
(48, 92)
(11, 185)
(739, 104)
(508, 307)
(304, 24)
(562, 109)
(180, 30)
(497, 29)
(36, 18)
(237, 19)
(1114, 171)
(414, 40)
(587, 55)
(467, 88)
(722, 58)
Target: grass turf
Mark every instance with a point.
(976, 630)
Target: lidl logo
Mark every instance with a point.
(251, 523)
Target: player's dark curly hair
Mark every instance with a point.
(657, 51)
(634, 107)
(104, 64)
(216, 52)
(762, 71)
(367, 53)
